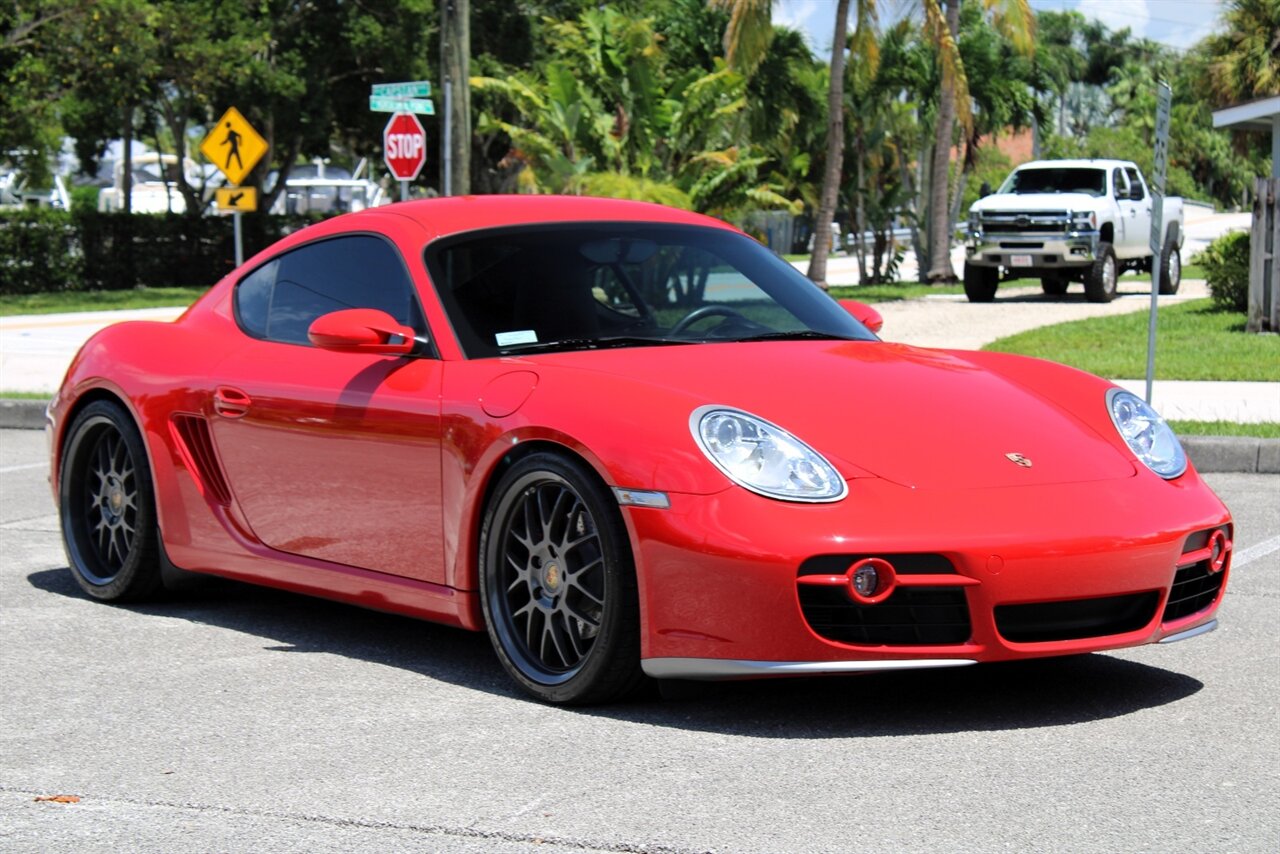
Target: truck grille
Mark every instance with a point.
(1029, 222)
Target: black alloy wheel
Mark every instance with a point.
(558, 584)
(107, 506)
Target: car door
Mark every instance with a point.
(1133, 224)
(330, 455)
(1141, 220)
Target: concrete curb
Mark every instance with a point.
(21, 414)
(1244, 454)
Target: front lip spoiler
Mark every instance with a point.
(1191, 633)
(713, 669)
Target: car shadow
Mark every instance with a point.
(993, 697)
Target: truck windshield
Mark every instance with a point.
(1060, 180)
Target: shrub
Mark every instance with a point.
(1226, 269)
(39, 252)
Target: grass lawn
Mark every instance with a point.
(69, 301)
(891, 292)
(1265, 429)
(1193, 342)
(1190, 271)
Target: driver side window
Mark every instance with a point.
(279, 300)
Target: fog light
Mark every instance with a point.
(871, 580)
(1217, 551)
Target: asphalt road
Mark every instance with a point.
(240, 719)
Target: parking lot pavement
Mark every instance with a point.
(242, 719)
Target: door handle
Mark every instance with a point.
(230, 402)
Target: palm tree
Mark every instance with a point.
(746, 39)
(1246, 58)
(1015, 20)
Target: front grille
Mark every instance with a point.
(1194, 586)
(912, 616)
(1040, 622)
(1194, 589)
(1039, 222)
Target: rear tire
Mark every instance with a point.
(107, 506)
(1054, 286)
(980, 283)
(1100, 281)
(1170, 267)
(558, 583)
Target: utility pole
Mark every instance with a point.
(455, 49)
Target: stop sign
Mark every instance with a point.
(404, 146)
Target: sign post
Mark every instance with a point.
(404, 141)
(404, 148)
(1160, 167)
(235, 148)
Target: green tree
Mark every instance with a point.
(1246, 58)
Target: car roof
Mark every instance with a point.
(1075, 164)
(444, 217)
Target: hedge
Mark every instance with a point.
(49, 250)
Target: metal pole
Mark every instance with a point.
(448, 137)
(404, 191)
(1151, 325)
(239, 241)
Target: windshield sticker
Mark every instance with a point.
(523, 336)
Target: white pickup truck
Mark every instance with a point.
(1069, 221)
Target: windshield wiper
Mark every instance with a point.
(604, 342)
(800, 335)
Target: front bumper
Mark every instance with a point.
(722, 599)
(1047, 251)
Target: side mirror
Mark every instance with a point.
(1136, 194)
(863, 313)
(360, 330)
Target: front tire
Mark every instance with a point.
(980, 283)
(558, 584)
(1054, 286)
(107, 506)
(1100, 281)
(1170, 267)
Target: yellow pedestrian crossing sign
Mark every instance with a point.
(234, 146)
(242, 199)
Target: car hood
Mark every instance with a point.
(921, 418)
(1036, 202)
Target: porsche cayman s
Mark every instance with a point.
(628, 442)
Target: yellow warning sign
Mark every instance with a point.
(243, 199)
(234, 146)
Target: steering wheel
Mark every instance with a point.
(705, 311)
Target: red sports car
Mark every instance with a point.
(627, 441)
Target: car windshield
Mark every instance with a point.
(1060, 180)
(597, 285)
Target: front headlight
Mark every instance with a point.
(764, 458)
(1083, 220)
(975, 222)
(1146, 433)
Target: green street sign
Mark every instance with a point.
(413, 89)
(402, 105)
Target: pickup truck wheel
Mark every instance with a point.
(1054, 286)
(980, 283)
(1100, 282)
(1170, 267)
